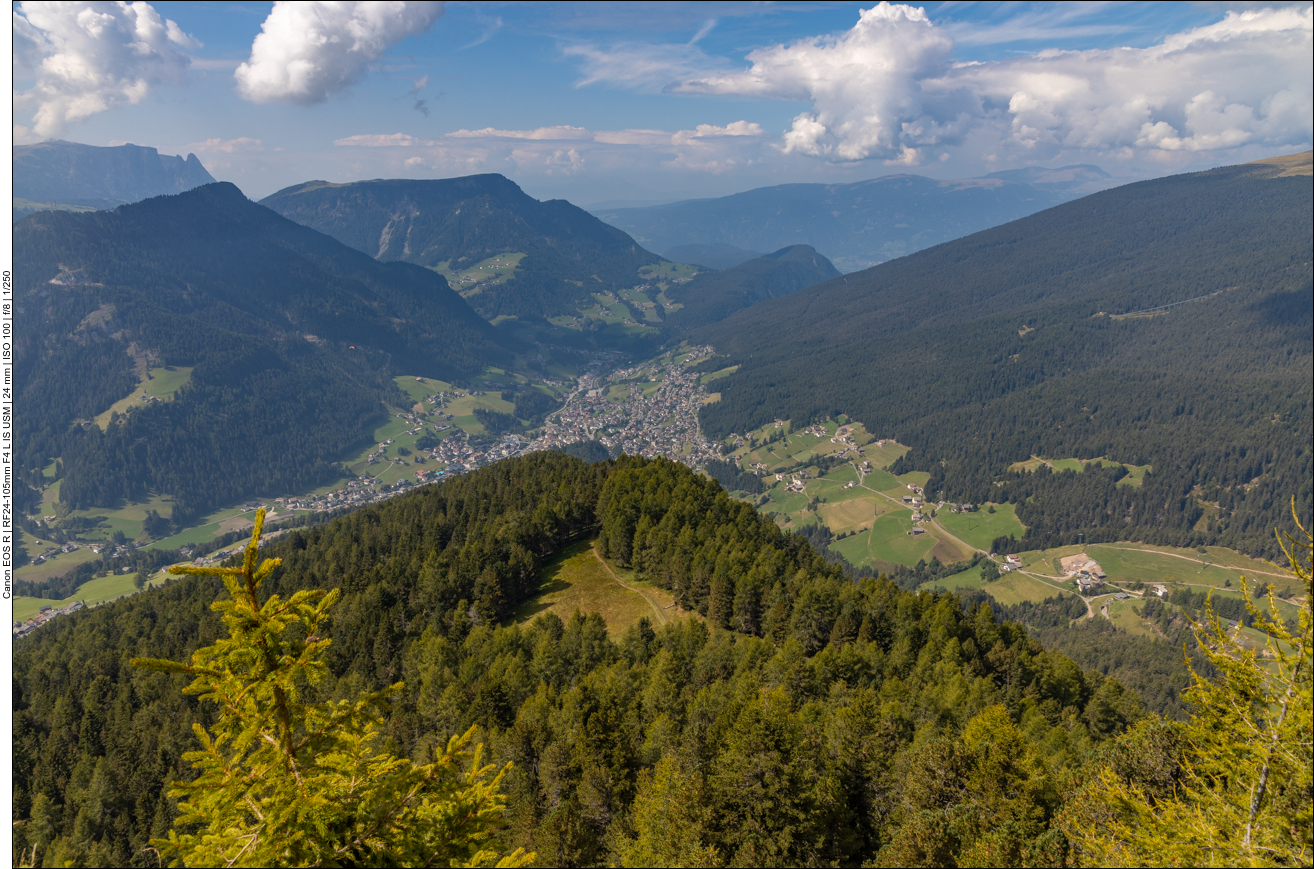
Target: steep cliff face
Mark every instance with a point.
(60, 175)
(454, 224)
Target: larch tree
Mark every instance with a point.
(287, 782)
(1242, 793)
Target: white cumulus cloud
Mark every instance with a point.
(864, 85)
(1243, 80)
(308, 51)
(90, 57)
(888, 89)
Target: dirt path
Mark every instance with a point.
(1192, 560)
(657, 611)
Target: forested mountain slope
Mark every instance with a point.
(292, 339)
(1052, 336)
(70, 174)
(859, 224)
(459, 222)
(713, 296)
(713, 256)
(803, 719)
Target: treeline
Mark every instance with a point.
(837, 722)
(732, 479)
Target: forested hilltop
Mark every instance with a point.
(458, 223)
(1167, 323)
(800, 718)
(715, 295)
(277, 333)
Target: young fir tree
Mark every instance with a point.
(1242, 792)
(287, 782)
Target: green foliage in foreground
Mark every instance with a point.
(833, 722)
(1243, 793)
(288, 783)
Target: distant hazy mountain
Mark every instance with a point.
(861, 224)
(713, 256)
(73, 177)
(713, 296)
(292, 339)
(457, 223)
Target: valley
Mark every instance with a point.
(832, 475)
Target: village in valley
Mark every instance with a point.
(832, 473)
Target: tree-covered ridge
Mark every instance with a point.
(1026, 340)
(463, 221)
(713, 296)
(292, 338)
(850, 722)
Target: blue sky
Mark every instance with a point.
(603, 102)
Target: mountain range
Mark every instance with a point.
(860, 224)
(455, 224)
(291, 339)
(70, 176)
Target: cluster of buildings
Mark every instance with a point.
(51, 551)
(662, 423)
(22, 629)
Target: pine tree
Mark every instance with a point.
(1243, 795)
(288, 782)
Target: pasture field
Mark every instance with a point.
(662, 274)
(1129, 562)
(127, 518)
(887, 540)
(50, 497)
(55, 564)
(872, 511)
(93, 593)
(159, 384)
(980, 528)
(1124, 614)
(577, 579)
(717, 375)
(1013, 588)
(487, 273)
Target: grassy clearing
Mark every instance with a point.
(478, 277)
(1013, 588)
(1126, 615)
(1132, 562)
(717, 375)
(1135, 473)
(93, 593)
(55, 564)
(160, 384)
(576, 580)
(980, 528)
